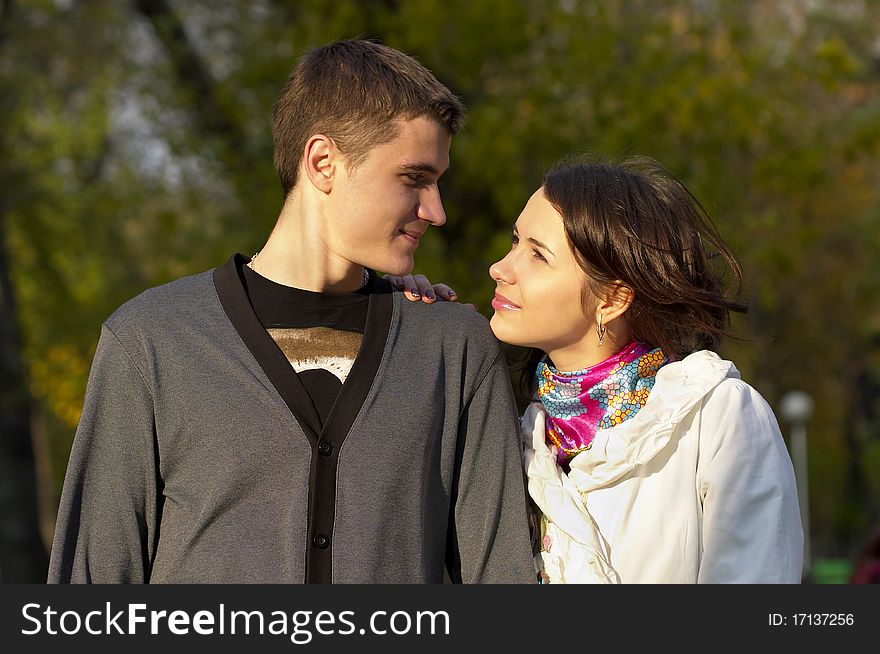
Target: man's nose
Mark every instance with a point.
(431, 206)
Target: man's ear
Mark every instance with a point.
(617, 299)
(320, 161)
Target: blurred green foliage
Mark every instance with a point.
(123, 168)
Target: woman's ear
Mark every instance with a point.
(320, 158)
(618, 298)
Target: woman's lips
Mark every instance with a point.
(501, 303)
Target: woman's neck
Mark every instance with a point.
(587, 353)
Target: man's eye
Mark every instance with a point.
(418, 180)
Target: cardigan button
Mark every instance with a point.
(325, 447)
(321, 541)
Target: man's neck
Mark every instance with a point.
(297, 253)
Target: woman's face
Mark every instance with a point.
(539, 290)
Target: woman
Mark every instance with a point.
(649, 459)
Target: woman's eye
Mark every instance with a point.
(535, 253)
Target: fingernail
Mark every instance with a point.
(414, 292)
(429, 295)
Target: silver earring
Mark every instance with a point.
(600, 330)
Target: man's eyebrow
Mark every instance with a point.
(536, 242)
(421, 168)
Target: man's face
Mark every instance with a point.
(380, 210)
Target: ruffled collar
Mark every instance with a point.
(679, 387)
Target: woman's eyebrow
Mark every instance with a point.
(535, 241)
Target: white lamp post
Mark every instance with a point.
(796, 408)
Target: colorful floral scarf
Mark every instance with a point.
(580, 403)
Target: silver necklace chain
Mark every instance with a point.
(250, 264)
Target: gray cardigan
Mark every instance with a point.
(193, 461)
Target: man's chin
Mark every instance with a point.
(395, 267)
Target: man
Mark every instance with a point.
(288, 418)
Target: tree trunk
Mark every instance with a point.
(23, 557)
(22, 554)
(209, 116)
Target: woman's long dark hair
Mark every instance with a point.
(635, 222)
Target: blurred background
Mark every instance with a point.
(135, 148)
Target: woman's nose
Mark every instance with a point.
(501, 271)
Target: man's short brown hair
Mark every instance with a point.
(354, 91)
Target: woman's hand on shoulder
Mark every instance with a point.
(419, 287)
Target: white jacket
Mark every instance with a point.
(697, 487)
